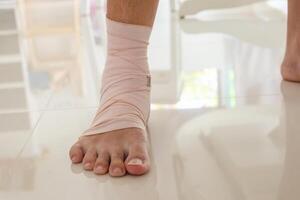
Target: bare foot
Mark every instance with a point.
(290, 68)
(116, 152)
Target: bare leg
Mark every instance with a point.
(290, 68)
(125, 150)
(132, 11)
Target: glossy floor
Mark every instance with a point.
(223, 124)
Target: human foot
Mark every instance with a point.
(116, 152)
(116, 140)
(290, 68)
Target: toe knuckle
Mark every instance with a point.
(102, 163)
(117, 153)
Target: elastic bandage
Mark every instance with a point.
(126, 80)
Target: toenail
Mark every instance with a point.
(73, 158)
(100, 169)
(117, 171)
(87, 165)
(135, 161)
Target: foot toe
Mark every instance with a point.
(117, 167)
(76, 153)
(102, 163)
(89, 159)
(137, 162)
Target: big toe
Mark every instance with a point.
(137, 162)
(76, 153)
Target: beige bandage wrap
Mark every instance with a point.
(125, 92)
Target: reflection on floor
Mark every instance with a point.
(223, 123)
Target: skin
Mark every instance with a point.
(290, 68)
(112, 152)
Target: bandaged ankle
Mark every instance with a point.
(125, 91)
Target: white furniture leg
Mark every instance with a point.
(173, 5)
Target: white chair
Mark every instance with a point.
(191, 7)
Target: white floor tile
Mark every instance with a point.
(223, 124)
